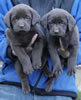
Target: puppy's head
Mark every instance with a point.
(21, 18)
(58, 22)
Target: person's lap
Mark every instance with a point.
(15, 93)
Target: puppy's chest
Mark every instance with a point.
(24, 39)
(62, 42)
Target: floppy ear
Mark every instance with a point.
(44, 21)
(71, 22)
(7, 19)
(35, 17)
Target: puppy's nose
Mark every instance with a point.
(21, 25)
(56, 31)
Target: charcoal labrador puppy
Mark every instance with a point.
(22, 34)
(63, 42)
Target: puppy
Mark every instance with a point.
(22, 33)
(63, 42)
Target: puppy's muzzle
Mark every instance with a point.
(56, 31)
(21, 26)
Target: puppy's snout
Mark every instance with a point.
(56, 31)
(21, 25)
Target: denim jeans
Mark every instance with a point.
(8, 92)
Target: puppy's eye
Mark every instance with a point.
(62, 23)
(27, 17)
(14, 19)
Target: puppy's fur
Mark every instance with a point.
(23, 24)
(61, 25)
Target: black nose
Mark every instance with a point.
(21, 25)
(56, 31)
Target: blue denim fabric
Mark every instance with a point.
(15, 93)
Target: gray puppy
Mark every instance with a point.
(63, 42)
(23, 25)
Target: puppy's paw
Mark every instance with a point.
(28, 70)
(57, 70)
(25, 88)
(71, 71)
(37, 65)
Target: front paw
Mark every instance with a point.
(28, 70)
(57, 70)
(37, 64)
(71, 71)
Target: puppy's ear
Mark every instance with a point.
(35, 17)
(71, 22)
(7, 19)
(44, 21)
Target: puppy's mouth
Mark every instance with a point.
(22, 30)
(57, 34)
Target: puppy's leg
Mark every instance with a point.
(57, 68)
(23, 77)
(20, 53)
(24, 59)
(47, 71)
(37, 55)
(50, 83)
(72, 61)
